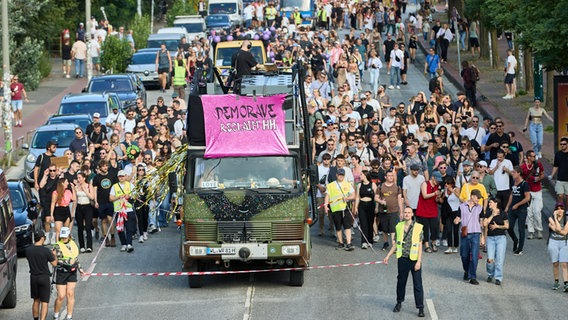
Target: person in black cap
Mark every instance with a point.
(43, 162)
(39, 258)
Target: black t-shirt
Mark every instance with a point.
(561, 162)
(494, 137)
(43, 162)
(47, 190)
(389, 45)
(38, 258)
(498, 220)
(66, 52)
(243, 61)
(103, 183)
(518, 193)
(71, 177)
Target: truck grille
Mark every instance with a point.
(243, 231)
(203, 231)
(287, 231)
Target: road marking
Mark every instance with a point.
(89, 271)
(431, 309)
(249, 298)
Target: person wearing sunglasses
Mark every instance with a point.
(501, 169)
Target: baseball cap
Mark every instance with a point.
(467, 163)
(121, 173)
(341, 171)
(65, 232)
(559, 204)
(482, 163)
(414, 166)
(363, 96)
(375, 122)
(437, 175)
(96, 115)
(174, 95)
(365, 116)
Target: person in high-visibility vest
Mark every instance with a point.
(65, 277)
(120, 194)
(297, 16)
(337, 194)
(322, 18)
(408, 238)
(179, 74)
(270, 15)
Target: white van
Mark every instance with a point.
(232, 8)
(194, 26)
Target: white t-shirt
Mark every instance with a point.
(511, 64)
(412, 187)
(94, 48)
(248, 12)
(501, 177)
(397, 53)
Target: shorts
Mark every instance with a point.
(61, 214)
(387, 57)
(558, 250)
(64, 277)
(474, 42)
(561, 187)
(105, 210)
(387, 222)
(509, 78)
(17, 105)
(342, 218)
(40, 287)
(95, 60)
(403, 71)
(163, 70)
(67, 63)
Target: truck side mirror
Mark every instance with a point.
(313, 174)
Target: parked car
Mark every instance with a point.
(143, 64)
(128, 87)
(62, 134)
(26, 207)
(194, 24)
(89, 103)
(180, 30)
(81, 120)
(8, 248)
(218, 22)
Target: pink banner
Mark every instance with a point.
(244, 126)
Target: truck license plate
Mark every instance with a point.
(225, 251)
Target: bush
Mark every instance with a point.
(25, 62)
(181, 8)
(115, 54)
(141, 30)
(44, 64)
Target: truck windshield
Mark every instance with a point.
(227, 8)
(246, 172)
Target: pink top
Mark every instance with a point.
(66, 198)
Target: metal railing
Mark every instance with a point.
(11, 158)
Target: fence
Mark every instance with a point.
(11, 158)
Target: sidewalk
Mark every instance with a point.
(44, 102)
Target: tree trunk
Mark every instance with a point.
(529, 69)
(460, 6)
(483, 41)
(497, 64)
(549, 85)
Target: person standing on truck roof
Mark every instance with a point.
(242, 62)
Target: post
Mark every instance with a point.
(521, 68)
(456, 27)
(88, 41)
(139, 7)
(6, 107)
(490, 49)
(151, 16)
(537, 71)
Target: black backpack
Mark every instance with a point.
(433, 84)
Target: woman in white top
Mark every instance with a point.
(84, 212)
(374, 65)
(534, 115)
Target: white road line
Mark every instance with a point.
(89, 271)
(248, 301)
(431, 309)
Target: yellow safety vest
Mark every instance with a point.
(323, 15)
(335, 195)
(270, 13)
(179, 75)
(69, 255)
(416, 231)
(297, 17)
(118, 192)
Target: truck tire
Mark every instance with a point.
(297, 278)
(11, 299)
(196, 281)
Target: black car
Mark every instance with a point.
(26, 209)
(128, 87)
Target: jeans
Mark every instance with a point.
(496, 247)
(534, 215)
(80, 67)
(395, 72)
(469, 252)
(521, 215)
(374, 80)
(125, 235)
(535, 132)
(463, 34)
(405, 266)
(425, 34)
(432, 75)
(163, 210)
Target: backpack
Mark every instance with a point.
(474, 73)
(433, 84)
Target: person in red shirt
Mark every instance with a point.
(18, 92)
(427, 210)
(532, 172)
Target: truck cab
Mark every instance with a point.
(232, 8)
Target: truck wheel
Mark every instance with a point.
(297, 278)
(11, 298)
(196, 281)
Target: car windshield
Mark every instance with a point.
(224, 55)
(84, 107)
(253, 172)
(143, 58)
(83, 123)
(111, 85)
(62, 137)
(226, 8)
(171, 45)
(17, 197)
(191, 27)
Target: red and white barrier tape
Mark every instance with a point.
(203, 273)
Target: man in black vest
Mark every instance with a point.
(242, 62)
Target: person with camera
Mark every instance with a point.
(533, 173)
(39, 257)
(558, 245)
(120, 196)
(65, 277)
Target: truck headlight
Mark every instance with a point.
(290, 250)
(197, 251)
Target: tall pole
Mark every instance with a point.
(6, 108)
(139, 7)
(151, 16)
(88, 40)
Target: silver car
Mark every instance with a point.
(62, 134)
(143, 64)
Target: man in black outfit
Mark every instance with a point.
(242, 62)
(40, 285)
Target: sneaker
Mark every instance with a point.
(556, 286)
(474, 282)
(364, 246)
(82, 250)
(391, 87)
(444, 243)
(398, 87)
(518, 253)
(498, 282)
(449, 251)
(145, 235)
(385, 246)
(89, 250)
(539, 234)
(490, 279)
(67, 76)
(506, 97)
(376, 238)
(421, 313)
(340, 246)
(349, 247)
(465, 276)
(123, 248)
(530, 236)
(141, 240)
(455, 250)
(437, 242)
(129, 248)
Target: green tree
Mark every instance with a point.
(181, 8)
(141, 30)
(115, 54)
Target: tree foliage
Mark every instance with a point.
(141, 30)
(181, 8)
(115, 54)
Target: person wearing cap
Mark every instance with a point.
(337, 194)
(65, 277)
(558, 246)
(120, 194)
(115, 117)
(464, 176)
(39, 258)
(91, 126)
(470, 215)
(427, 210)
(486, 179)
